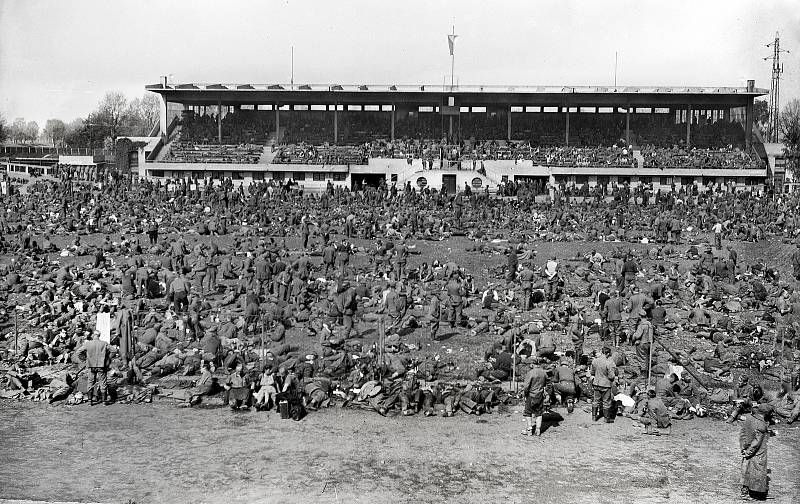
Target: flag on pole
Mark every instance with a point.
(451, 41)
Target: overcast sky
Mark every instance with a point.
(58, 57)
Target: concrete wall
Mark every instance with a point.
(400, 170)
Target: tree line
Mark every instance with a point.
(114, 116)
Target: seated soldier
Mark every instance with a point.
(237, 388)
(652, 411)
(203, 386)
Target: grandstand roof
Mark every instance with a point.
(366, 94)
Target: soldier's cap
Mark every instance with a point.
(651, 389)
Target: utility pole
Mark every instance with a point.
(775, 90)
(292, 77)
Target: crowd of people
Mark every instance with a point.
(676, 157)
(263, 296)
(594, 140)
(188, 152)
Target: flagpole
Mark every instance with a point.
(452, 62)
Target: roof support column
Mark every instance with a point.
(219, 120)
(628, 124)
(508, 133)
(688, 126)
(335, 123)
(162, 118)
(748, 124)
(277, 123)
(566, 129)
(393, 110)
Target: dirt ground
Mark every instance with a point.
(161, 453)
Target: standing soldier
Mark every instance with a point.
(577, 331)
(603, 375)
(753, 444)
(526, 279)
(717, 229)
(178, 250)
(455, 292)
(642, 339)
(152, 232)
(199, 269)
(211, 271)
(96, 354)
(328, 258)
(537, 384)
(304, 231)
(343, 258)
(611, 313)
(434, 314)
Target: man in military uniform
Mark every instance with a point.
(526, 277)
(603, 374)
(434, 314)
(95, 351)
(537, 385)
(455, 291)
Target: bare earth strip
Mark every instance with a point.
(159, 453)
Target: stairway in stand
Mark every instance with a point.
(165, 149)
(268, 155)
(637, 155)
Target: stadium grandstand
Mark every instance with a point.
(452, 136)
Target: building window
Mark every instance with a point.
(258, 175)
(157, 173)
(339, 177)
(422, 182)
(581, 179)
(319, 176)
(393, 177)
(278, 175)
(299, 175)
(665, 181)
(646, 180)
(237, 175)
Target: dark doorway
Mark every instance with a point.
(367, 179)
(449, 183)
